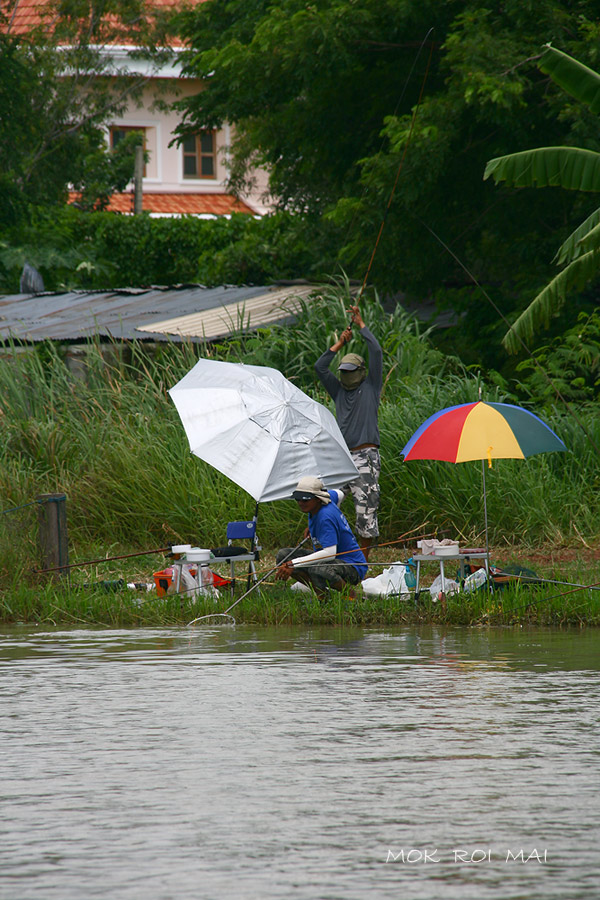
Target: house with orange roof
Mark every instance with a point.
(187, 178)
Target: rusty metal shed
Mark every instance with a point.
(187, 313)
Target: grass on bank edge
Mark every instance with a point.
(275, 604)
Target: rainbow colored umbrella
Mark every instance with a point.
(482, 431)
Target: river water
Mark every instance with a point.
(362, 764)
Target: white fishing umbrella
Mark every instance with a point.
(259, 430)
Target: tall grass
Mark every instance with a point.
(114, 444)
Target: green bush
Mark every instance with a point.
(102, 250)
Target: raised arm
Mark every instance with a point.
(375, 373)
(327, 378)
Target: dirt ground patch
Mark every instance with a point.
(554, 557)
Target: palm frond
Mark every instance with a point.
(580, 240)
(567, 167)
(575, 78)
(551, 299)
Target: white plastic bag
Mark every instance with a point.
(391, 581)
(189, 582)
(449, 587)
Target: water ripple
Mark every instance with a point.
(263, 763)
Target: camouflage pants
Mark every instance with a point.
(323, 573)
(365, 490)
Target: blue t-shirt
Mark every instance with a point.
(329, 527)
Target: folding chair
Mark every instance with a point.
(239, 531)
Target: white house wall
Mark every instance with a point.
(164, 166)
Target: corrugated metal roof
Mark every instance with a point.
(248, 313)
(145, 314)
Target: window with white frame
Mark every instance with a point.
(199, 155)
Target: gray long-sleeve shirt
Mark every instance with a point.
(356, 410)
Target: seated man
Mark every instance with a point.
(337, 559)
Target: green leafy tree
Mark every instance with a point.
(58, 87)
(326, 97)
(573, 168)
(307, 86)
(566, 368)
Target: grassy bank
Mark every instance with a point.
(277, 606)
(113, 443)
(98, 596)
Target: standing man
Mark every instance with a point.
(356, 396)
(336, 559)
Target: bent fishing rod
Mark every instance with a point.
(254, 586)
(404, 152)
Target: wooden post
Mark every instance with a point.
(137, 179)
(52, 518)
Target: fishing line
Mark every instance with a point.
(254, 586)
(510, 328)
(367, 185)
(403, 157)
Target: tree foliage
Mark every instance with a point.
(58, 87)
(568, 167)
(326, 96)
(74, 249)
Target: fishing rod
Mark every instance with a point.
(586, 587)
(402, 158)
(405, 150)
(226, 613)
(254, 586)
(93, 562)
(535, 580)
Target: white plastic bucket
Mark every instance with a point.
(197, 555)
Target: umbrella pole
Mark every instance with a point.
(255, 547)
(485, 517)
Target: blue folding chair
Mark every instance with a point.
(239, 531)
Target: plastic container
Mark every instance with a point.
(197, 555)
(163, 581)
(180, 548)
(447, 550)
(475, 580)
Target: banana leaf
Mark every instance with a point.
(572, 76)
(567, 167)
(551, 299)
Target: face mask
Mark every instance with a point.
(351, 380)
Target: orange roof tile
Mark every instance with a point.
(179, 204)
(25, 15)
